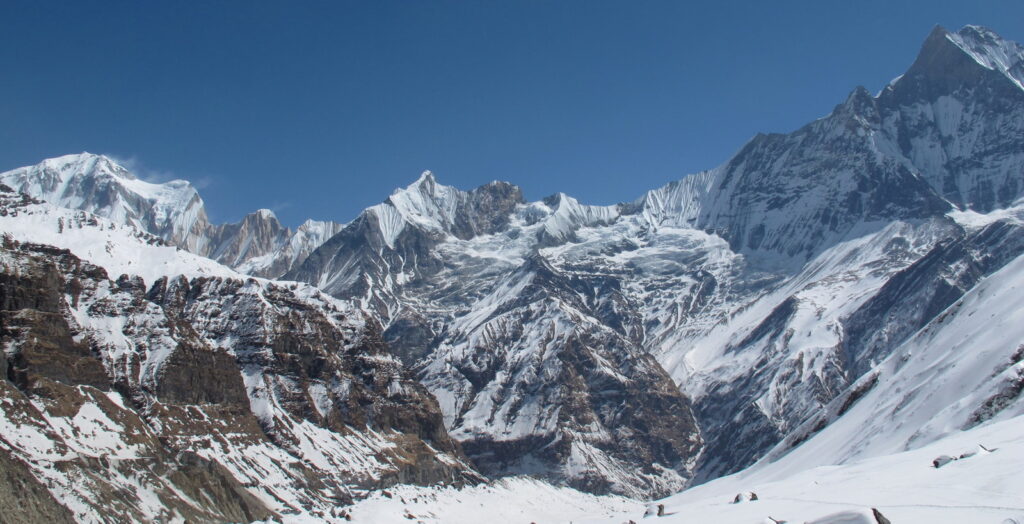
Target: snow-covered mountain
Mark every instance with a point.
(258, 245)
(840, 293)
(537, 381)
(539, 370)
(898, 257)
(95, 183)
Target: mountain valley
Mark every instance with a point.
(839, 296)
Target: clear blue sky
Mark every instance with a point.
(321, 109)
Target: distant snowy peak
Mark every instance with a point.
(86, 163)
(99, 185)
(315, 232)
(258, 244)
(567, 215)
(444, 210)
(678, 203)
(257, 234)
(424, 203)
(956, 117)
(265, 214)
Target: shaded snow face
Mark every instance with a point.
(956, 117)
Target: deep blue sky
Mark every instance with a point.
(319, 110)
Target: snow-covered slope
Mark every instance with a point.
(902, 487)
(963, 368)
(515, 499)
(117, 248)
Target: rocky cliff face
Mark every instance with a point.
(74, 433)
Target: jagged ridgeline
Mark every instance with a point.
(247, 370)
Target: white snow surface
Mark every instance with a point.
(936, 383)
(515, 499)
(903, 486)
(116, 247)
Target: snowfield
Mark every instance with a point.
(514, 499)
(905, 487)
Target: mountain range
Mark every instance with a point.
(825, 296)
